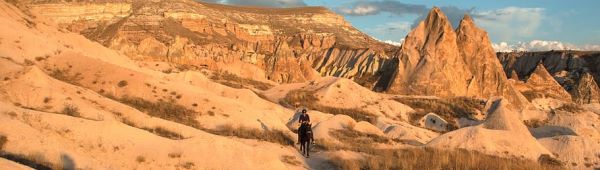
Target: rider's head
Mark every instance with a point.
(303, 111)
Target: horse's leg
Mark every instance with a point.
(307, 148)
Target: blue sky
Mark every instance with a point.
(572, 23)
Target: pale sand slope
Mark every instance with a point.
(96, 139)
(574, 137)
(75, 55)
(502, 134)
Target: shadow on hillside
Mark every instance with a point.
(38, 162)
(551, 131)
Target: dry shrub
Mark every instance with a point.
(140, 159)
(187, 165)
(234, 81)
(66, 76)
(310, 101)
(71, 110)
(162, 132)
(570, 107)
(449, 109)
(273, 136)
(165, 110)
(290, 160)
(35, 161)
(354, 140)
(122, 83)
(3, 141)
(430, 158)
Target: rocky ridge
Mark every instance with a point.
(575, 71)
(214, 36)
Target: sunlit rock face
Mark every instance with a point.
(437, 60)
(576, 71)
(288, 45)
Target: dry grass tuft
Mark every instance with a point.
(449, 109)
(234, 81)
(140, 159)
(273, 136)
(165, 110)
(71, 110)
(162, 132)
(122, 83)
(354, 141)
(66, 76)
(429, 158)
(309, 100)
(35, 161)
(3, 141)
(290, 160)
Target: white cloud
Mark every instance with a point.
(394, 43)
(392, 31)
(511, 23)
(541, 45)
(360, 10)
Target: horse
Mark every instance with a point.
(306, 137)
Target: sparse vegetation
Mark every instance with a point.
(140, 159)
(429, 158)
(290, 160)
(35, 161)
(71, 110)
(309, 100)
(187, 165)
(162, 132)
(274, 136)
(175, 155)
(122, 83)
(234, 81)
(166, 110)
(449, 109)
(28, 62)
(570, 107)
(3, 141)
(355, 141)
(66, 76)
(47, 99)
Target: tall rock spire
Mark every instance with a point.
(480, 58)
(436, 60)
(429, 60)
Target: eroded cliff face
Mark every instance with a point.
(289, 45)
(576, 71)
(436, 60)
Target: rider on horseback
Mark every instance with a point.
(304, 118)
(305, 136)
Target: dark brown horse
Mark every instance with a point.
(306, 137)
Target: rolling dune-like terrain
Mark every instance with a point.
(181, 84)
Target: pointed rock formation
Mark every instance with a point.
(488, 78)
(436, 60)
(586, 90)
(543, 85)
(430, 63)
